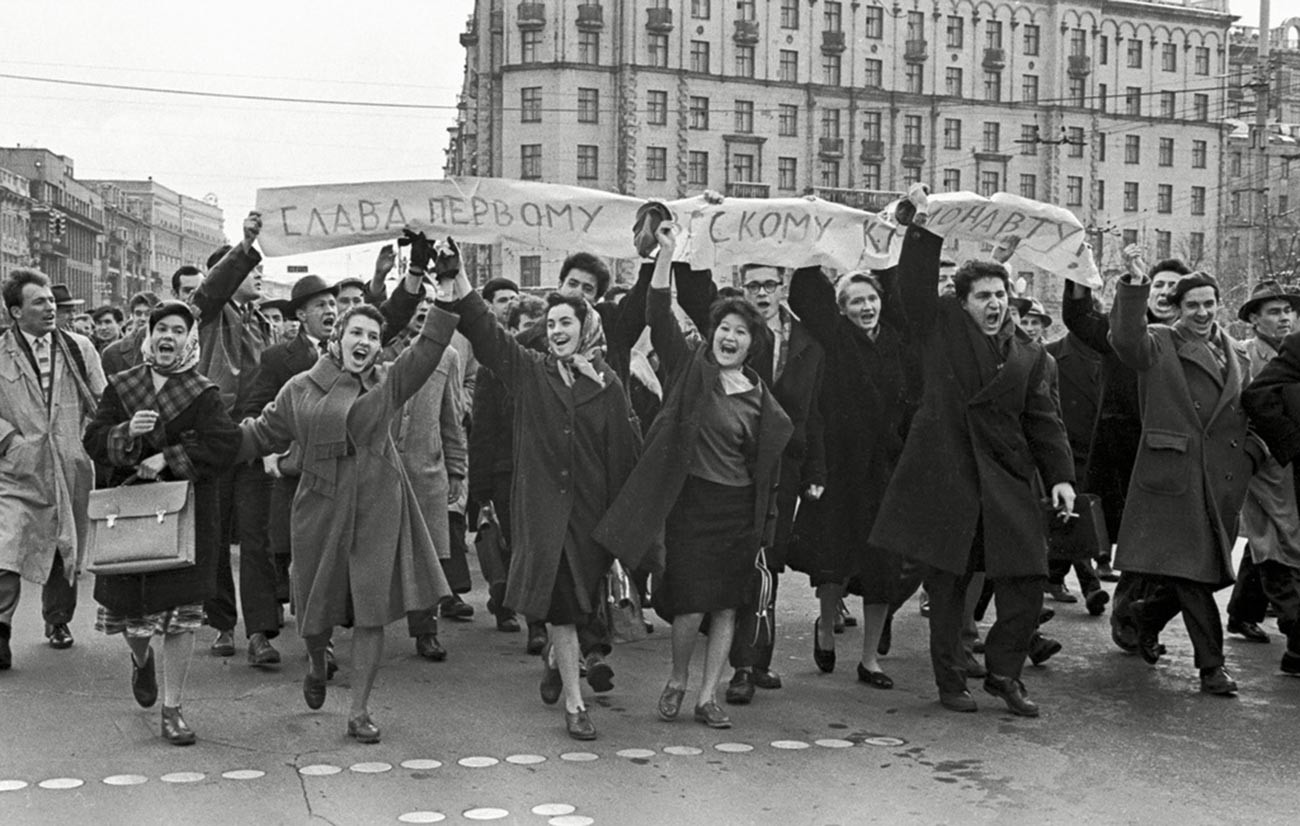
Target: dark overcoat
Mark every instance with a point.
(984, 428)
(573, 448)
(1273, 401)
(1196, 456)
(633, 528)
(1078, 370)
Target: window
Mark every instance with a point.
(1286, 169)
(1029, 89)
(656, 163)
(1074, 191)
(1200, 107)
(872, 77)
(829, 173)
(788, 120)
(1099, 194)
(831, 16)
(951, 180)
(1234, 164)
(1130, 236)
(1028, 139)
(951, 133)
(787, 174)
(700, 56)
(952, 82)
(871, 176)
(789, 14)
(530, 270)
(1130, 196)
(697, 168)
(745, 9)
(1201, 60)
(1198, 154)
(875, 23)
(1168, 57)
(745, 61)
(1132, 149)
(589, 48)
(657, 107)
(990, 183)
(1134, 53)
(658, 44)
(911, 175)
(993, 34)
(1103, 92)
(916, 25)
(831, 69)
(913, 130)
(871, 125)
(956, 32)
(1195, 247)
(530, 161)
(1166, 152)
(744, 116)
(588, 105)
(1032, 37)
(701, 9)
(588, 162)
(530, 104)
(1283, 204)
(1028, 186)
(1103, 48)
(1167, 103)
(788, 69)
(913, 76)
(529, 44)
(1078, 42)
(742, 168)
(1076, 141)
(1099, 146)
(1163, 243)
(1234, 204)
(830, 123)
(992, 136)
(1133, 100)
(1076, 91)
(699, 113)
(993, 86)
(1165, 198)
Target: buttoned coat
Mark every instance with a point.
(45, 475)
(231, 341)
(1078, 370)
(1196, 457)
(982, 432)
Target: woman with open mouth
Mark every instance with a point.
(163, 420)
(705, 483)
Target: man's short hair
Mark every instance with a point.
(146, 297)
(728, 291)
(946, 262)
(745, 269)
(496, 285)
(529, 306)
(183, 271)
(218, 254)
(1175, 265)
(17, 280)
(108, 309)
(590, 263)
(615, 291)
(973, 270)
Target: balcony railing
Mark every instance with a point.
(831, 146)
(995, 60)
(745, 189)
(659, 21)
(746, 32)
(873, 151)
(868, 200)
(591, 17)
(916, 51)
(532, 16)
(833, 42)
(913, 153)
(1080, 65)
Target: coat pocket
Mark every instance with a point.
(1162, 466)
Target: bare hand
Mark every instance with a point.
(151, 467)
(271, 466)
(1005, 247)
(1133, 261)
(1063, 499)
(712, 196)
(385, 261)
(142, 423)
(814, 492)
(252, 228)
(455, 489)
(666, 235)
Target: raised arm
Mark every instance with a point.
(1129, 336)
(1083, 319)
(696, 293)
(918, 279)
(812, 298)
(399, 308)
(494, 348)
(666, 335)
(223, 280)
(408, 373)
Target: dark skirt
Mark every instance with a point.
(865, 570)
(711, 547)
(568, 607)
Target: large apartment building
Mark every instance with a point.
(1111, 108)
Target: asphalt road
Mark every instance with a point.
(468, 740)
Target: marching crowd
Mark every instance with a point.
(881, 432)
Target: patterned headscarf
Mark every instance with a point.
(591, 344)
(187, 355)
(334, 347)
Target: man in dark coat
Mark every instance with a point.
(962, 497)
(1193, 466)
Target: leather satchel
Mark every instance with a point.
(139, 529)
(1082, 536)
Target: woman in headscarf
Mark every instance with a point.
(705, 483)
(163, 420)
(574, 445)
(363, 555)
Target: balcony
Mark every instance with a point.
(746, 32)
(469, 37)
(532, 17)
(659, 21)
(867, 200)
(833, 42)
(1236, 93)
(913, 154)
(745, 189)
(916, 51)
(591, 17)
(873, 151)
(831, 147)
(1080, 65)
(995, 60)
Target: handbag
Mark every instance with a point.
(489, 545)
(623, 604)
(1081, 536)
(765, 625)
(140, 529)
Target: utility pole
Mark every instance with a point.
(1259, 142)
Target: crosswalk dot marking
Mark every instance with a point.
(579, 756)
(422, 817)
(525, 759)
(12, 785)
(125, 780)
(319, 770)
(477, 762)
(371, 768)
(421, 765)
(571, 820)
(682, 751)
(485, 813)
(834, 743)
(733, 748)
(552, 809)
(244, 774)
(182, 777)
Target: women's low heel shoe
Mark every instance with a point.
(712, 715)
(313, 691)
(174, 729)
(824, 658)
(670, 703)
(363, 730)
(144, 682)
(579, 725)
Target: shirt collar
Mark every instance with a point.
(31, 339)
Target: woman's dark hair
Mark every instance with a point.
(19, 278)
(146, 298)
(589, 263)
(742, 307)
(369, 311)
(1174, 265)
(579, 305)
(176, 308)
(972, 271)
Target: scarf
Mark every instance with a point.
(187, 358)
(334, 350)
(591, 344)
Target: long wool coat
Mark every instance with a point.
(1269, 518)
(974, 446)
(361, 550)
(573, 448)
(634, 527)
(1193, 465)
(45, 474)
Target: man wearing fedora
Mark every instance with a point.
(66, 307)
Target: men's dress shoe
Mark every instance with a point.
(58, 634)
(957, 701)
(261, 652)
(712, 715)
(578, 724)
(886, 640)
(313, 691)
(740, 691)
(1013, 693)
(1250, 630)
(1124, 635)
(362, 729)
(507, 623)
(552, 683)
(144, 682)
(1060, 593)
(174, 729)
(1148, 639)
(600, 675)
(1046, 615)
(1042, 649)
(765, 678)
(1216, 681)
(453, 607)
(670, 703)
(224, 644)
(6, 655)
(1096, 602)
(1106, 573)
(1290, 663)
(536, 638)
(427, 646)
(974, 668)
(824, 658)
(875, 679)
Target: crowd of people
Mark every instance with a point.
(880, 432)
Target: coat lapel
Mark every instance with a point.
(1230, 389)
(16, 351)
(1010, 375)
(1194, 353)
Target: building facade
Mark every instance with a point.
(15, 222)
(126, 251)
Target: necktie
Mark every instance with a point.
(323, 346)
(44, 364)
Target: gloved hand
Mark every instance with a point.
(447, 263)
(421, 249)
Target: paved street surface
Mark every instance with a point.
(468, 740)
